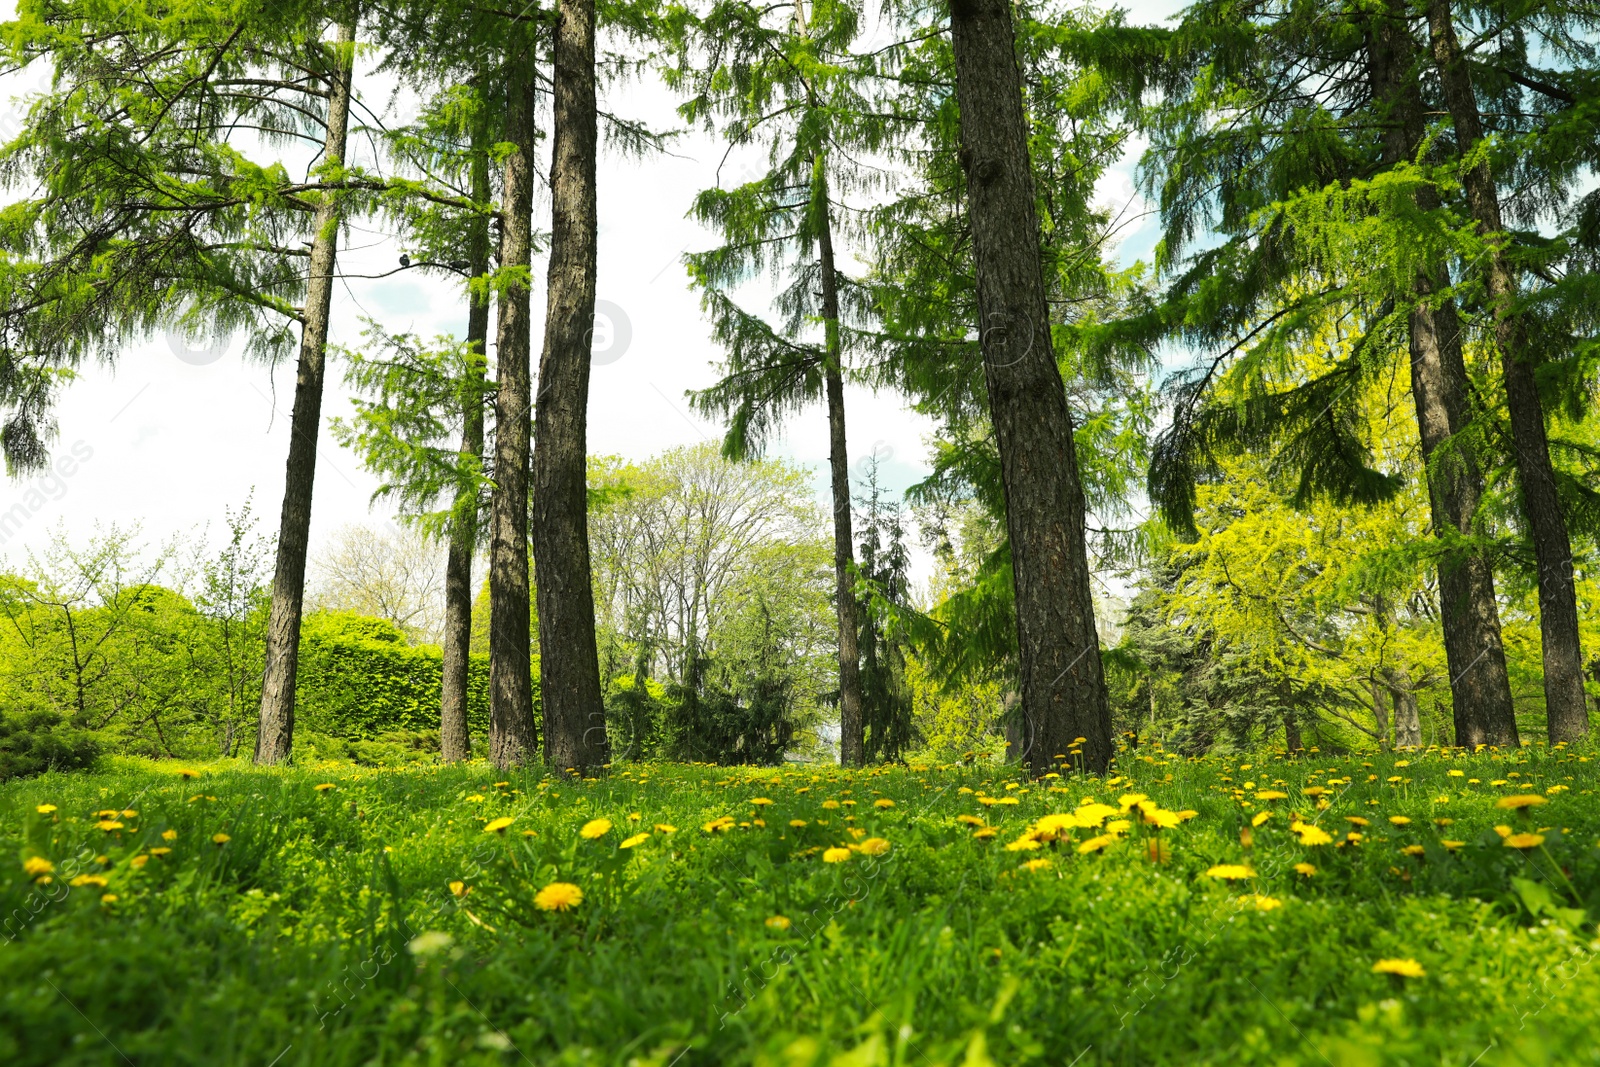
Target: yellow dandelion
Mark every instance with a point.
(1403, 968)
(1265, 903)
(1452, 845)
(1260, 817)
(476, 798)
(1413, 850)
(558, 896)
(1095, 844)
(1400, 820)
(873, 846)
(1270, 794)
(1230, 872)
(169, 835)
(665, 828)
(760, 801)
(88, 879)
(1305, 869)
(1523, 841)
(595, 829)
(1520, 801)
(159, 851)
(1310, 835)
(883, 803)
(45, 809)
(459, 889)
(498, 826)
(983, 833)
(636, 839)
(1356, 820)
(835, 855)
(778, 922)
(34, 866)
(1038, 864)
(323, 787)
(108, 825)
(220, 839)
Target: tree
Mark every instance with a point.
(1313, 185)
(886, 698)
(574, 715)
(386, 574)
(275, 733)
(1566, 706)
(787, 83)
(1062, 680)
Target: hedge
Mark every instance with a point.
(359, 679)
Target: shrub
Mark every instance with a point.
(39, 741)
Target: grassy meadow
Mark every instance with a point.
(1429, 907)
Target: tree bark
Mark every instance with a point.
(852, 730)
(1565, 703)
(1480, 689)
(1407, 717)
(1063, 683)
(275, 731)
(454, 740)
(574, 716)
(1380, 710)
(512, 736)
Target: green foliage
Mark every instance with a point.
(358, 679)
(39, 741)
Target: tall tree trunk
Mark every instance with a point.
(275, 732)
(574, 716)
(1566, 706)
(512, 736)
(1291, 734)
(1407, 717)
(1063, 684)
(1380, 709)
(454, 741)
(852, 729)
(1480, 689)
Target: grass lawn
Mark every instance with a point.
(345, 915)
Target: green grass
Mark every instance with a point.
(296, 940)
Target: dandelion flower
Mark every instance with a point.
(1305, 869)
(830, 805)
(1523, 841)
(476, 798)
(558, 896)
(636, 839)
(835, 855)
(1270, 794)
(1400, 820)
(983, 833)
(220, 839)
(1038, 864)
(138, 862)
(760, 802)
(873, 846)
(883, 803)
(1452, 845)
(665, 828)
(1520, 801)
(1311, 835)
(45, 809)
(159, 851)
(34, 866)
(1413, 850)
(1260, 817)
(798, 824)
(778, 922)
(1095, 844)
(1265, 903)
(88, 879)
(458, 889)
(1230, 872)
(169, 835)
(498, 826)
(970, 820)
(323, 787)
(595, 829)
(108, 825)
(1357, 820)
(1403, 968)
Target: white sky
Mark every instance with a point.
(173, 443)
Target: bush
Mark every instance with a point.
(358, 679)
(39, 741)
